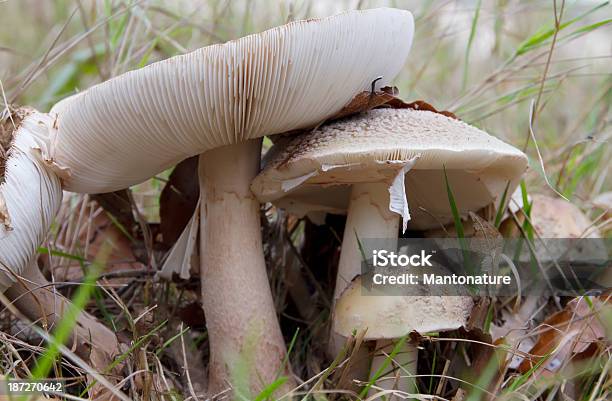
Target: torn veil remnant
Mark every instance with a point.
(218, 102)
(372, 166)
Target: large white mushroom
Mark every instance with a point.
(216, 102)
(30, 195)
(372, 166)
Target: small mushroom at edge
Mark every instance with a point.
(30, 196)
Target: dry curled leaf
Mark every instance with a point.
(367, 100)
(398, 103)
(386, 97)
(192, 315)
(567, 333)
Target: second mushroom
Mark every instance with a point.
(372, 167)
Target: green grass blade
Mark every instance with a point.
(61, 254)
(454, 209)
(381, 370)
(469, 44)
(289, 350)
(500, 207)
(589, 28)
(63, 331)
(127, 353)
(172, 339)
(268, 392)
(540, 37)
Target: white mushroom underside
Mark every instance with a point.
(123, 131)
(426, 197)
(30, 196)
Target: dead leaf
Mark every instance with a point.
(478, 315)
(488, 243)
(482, 358)
(567, 333)
(516, 324)
(386, 97)
(118, 205)
(192, 315)
(103, 232)
(398, 103)
(5, 219)
(178, 200)
(365, 101)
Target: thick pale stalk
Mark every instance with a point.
(35, 297)
(246, 345)
(368, 216)
(396, 379)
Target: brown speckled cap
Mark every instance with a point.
(312, 172)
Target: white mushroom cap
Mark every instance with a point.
(129, 128)
(373, 146)
(30, 196)
(389, 316)
(558, 218)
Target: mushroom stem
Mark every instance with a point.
(368, 216)
(34, 296)
(247, 348)
(398, 374)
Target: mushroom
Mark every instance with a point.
(558, 218)
(372, 166)
(386, 318)
(564, 233)
(218, 102)
(30, 196)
